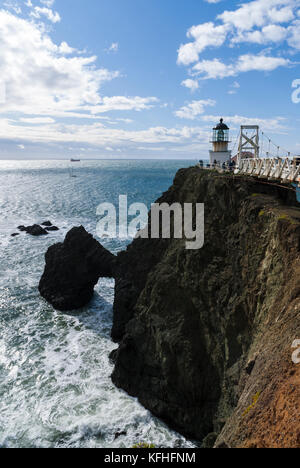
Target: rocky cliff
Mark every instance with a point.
(205, 335)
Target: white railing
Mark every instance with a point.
(284, 170)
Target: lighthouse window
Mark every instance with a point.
(221, 135)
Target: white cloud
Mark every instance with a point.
(268, 34)
(234, 87)
(212, 69)
(250, 62)
(282, 15)
(124, 103)
(190, 84)
(294, 35)
(114, 47)
(48, 3)
(204, 35)
(193, 109)
(37, 120)
(97, 134)
(51, 15)
(65, 49)
(41, 80)
(127, 121)
(258, 13)
(45, 81)
(259, 22)
(151, 148)
(13, 5)
(275, 125)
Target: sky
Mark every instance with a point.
(145, 78)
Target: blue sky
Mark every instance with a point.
(149, 79)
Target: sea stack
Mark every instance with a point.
(72, 270)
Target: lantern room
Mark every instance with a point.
(220, 138)
(220, 141)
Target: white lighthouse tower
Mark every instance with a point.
(220, 140)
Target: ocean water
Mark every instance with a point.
(55, 386)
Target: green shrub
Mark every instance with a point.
(143, 445)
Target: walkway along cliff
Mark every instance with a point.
(204, 336)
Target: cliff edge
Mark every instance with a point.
(205, 335)
(207, 345)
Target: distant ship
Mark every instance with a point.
(75, 160)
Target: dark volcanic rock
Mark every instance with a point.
(73, 269)
(189, 322)
(204, 336)
(120, 434)
(133, 268)
(36, 230)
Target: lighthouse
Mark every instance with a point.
(220, 140)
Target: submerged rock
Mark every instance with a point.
(52, 229)
(36, 230)
(120, 434)
(73, 269)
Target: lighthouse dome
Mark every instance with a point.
(221, 126)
